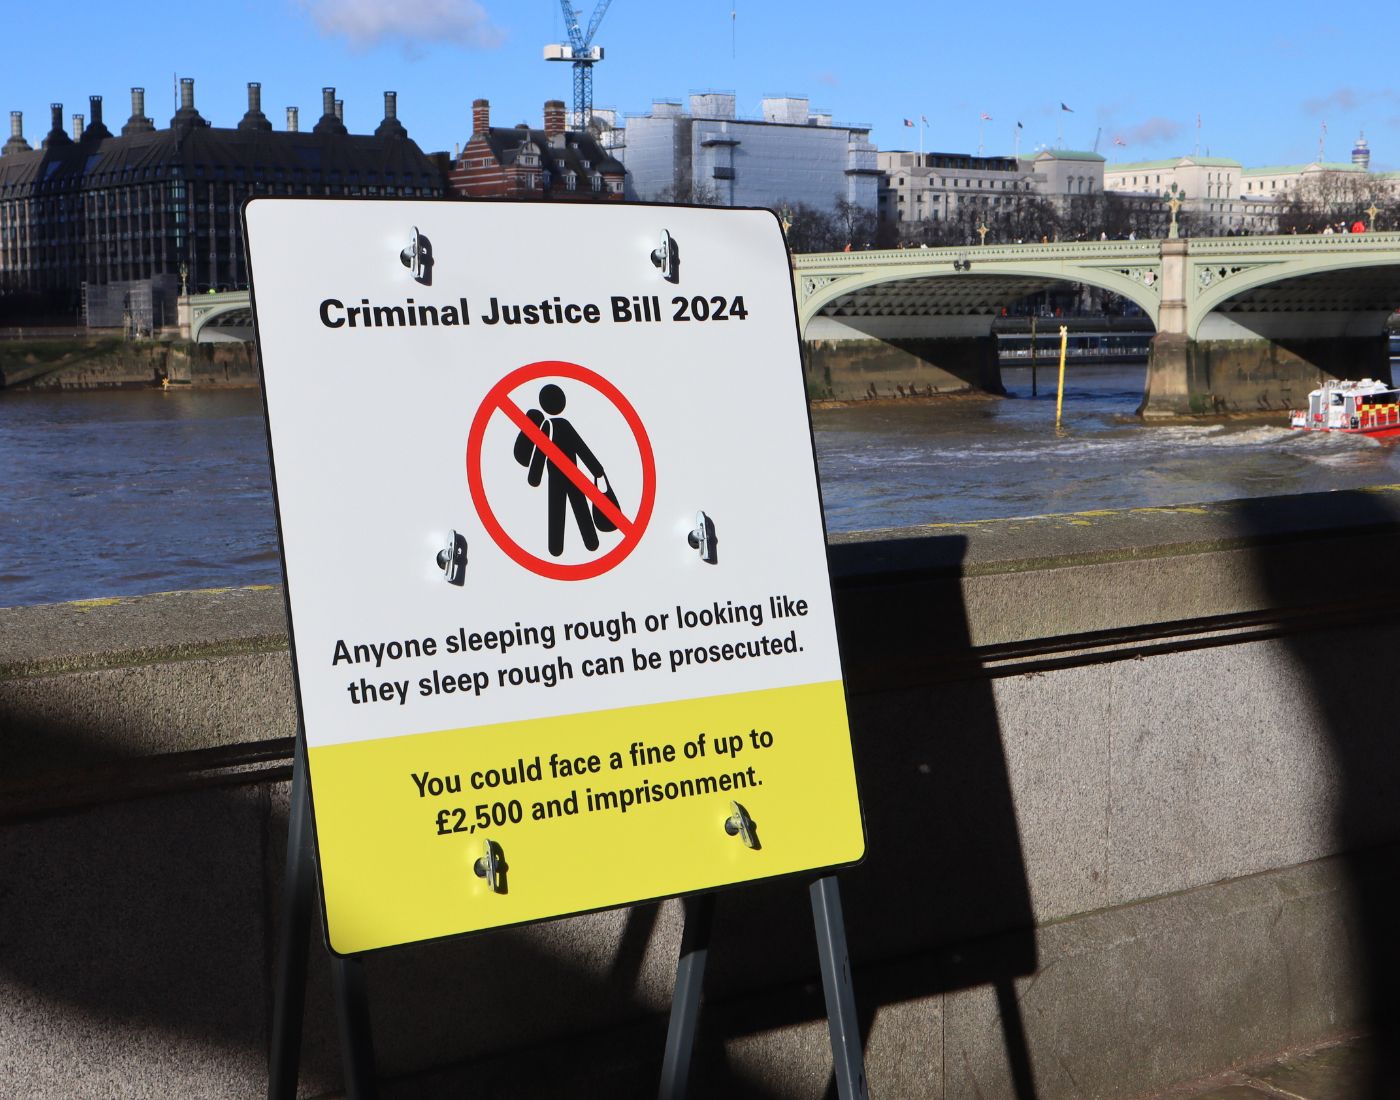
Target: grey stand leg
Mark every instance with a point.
(289, 989)
(847, 1058)
(356, 1039)
(688, 994)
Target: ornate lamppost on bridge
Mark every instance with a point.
(1371, 210)
(982, 232)
(1175, 197)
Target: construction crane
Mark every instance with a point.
(581, 51)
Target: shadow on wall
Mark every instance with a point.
(136, 938)
(1353, 702)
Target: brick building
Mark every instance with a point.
(518, 162)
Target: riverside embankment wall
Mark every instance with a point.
(1130, 785)
(113, 363)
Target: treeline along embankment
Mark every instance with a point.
(88, 363)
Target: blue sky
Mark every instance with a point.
(1263, 78)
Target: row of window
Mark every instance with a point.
(1006, 185)
(257, 175)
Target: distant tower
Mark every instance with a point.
(1361, 154)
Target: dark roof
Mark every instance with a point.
(507, 143)
(202, 151)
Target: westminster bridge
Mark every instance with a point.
(1242, 323)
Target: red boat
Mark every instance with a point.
(1366, 407)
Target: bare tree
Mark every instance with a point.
(855, 221)
(810, 229)
(1321, 199)
(690, 193)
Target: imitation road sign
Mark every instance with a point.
(556, 569)
(500, 400)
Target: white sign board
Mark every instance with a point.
(555, 561)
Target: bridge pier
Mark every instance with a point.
(1194, 377)
(846, 364)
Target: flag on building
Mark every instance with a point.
(909, 122)
(924, 119)
(1064, 108)
(1119, 141)
(985, 117)
(1019, 126)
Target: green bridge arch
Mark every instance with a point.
(1242, 322)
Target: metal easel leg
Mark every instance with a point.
(293, 931)
(687, 997)
(356, 1038)
(847, 1057)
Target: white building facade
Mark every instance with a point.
(707, 153)
(917, 188)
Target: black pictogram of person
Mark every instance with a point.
(560, 488)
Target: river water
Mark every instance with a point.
(128, 492)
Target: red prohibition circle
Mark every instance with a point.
(495, 401)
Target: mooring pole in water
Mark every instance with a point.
(1060, 395)
(1033, 385)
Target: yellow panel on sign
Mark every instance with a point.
(589, 810)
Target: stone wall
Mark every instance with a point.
(111, 363)
(857, 370)
(1205, 377)
(1128, 781)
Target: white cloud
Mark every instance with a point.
(1343, 99)
(1152, 132)
(412, 23)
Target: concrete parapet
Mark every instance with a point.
(1129, 786)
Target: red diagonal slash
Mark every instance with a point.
(568, 468)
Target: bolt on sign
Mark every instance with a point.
(556, 569)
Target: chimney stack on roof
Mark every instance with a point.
(96, 131)
(56, 136)
(138, 122)
(391, 126)
(187, 116)
(77, 127)
(481, 116)
(340, 109)
(554, 121)
(330, 121)
(254, 119)
(292, 125)
(16, 144)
